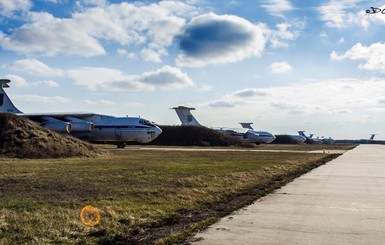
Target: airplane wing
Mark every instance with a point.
(63, 122)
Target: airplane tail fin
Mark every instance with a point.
(372, 136)
(185, 115)
(247, 125)
(302, 133)
(6, 104)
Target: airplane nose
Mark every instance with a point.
(158, 131)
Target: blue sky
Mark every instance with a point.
(285, 65)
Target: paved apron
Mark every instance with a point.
(341, 202)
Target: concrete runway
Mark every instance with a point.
(342, 202)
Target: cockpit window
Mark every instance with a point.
(146, 122)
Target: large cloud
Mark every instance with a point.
(152, 26)
(34, 66)
(212, 39)
(9, 7)
(17, 81)
(98, 78)
(374, 55)
(338, 108)
(311, 97)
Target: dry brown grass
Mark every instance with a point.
(21, 138)
(142, 195)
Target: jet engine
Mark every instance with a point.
(56, 125)
(80, 125)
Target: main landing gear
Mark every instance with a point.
(121, 145)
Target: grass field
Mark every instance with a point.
(139, 193)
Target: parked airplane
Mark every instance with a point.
(88, 126)
(328, 141)
(246, 135)
(266, 137)
(295, 137)
(323, 140)
(366, 141)
(310, 137)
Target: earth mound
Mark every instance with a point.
(195, 136)
(21, 138)
(285, 139)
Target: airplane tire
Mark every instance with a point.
(121, 145)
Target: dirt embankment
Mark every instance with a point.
(195, 136)
(21, 138)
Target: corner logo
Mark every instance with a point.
(373, 10)
(90, 216)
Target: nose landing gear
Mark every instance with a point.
(121, 145)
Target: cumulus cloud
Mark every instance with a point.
(250, 92)
(99, 78)
(9, 7)
(331, 96)
(123, 52)
(221, 103)
(213, 39)
(340, 14)
(41, 99)
(33, 66)
(47, 83)
(277, 7)
(101, 102)
(17, 80)
(373, 55)
(280, 67)
(153, 26)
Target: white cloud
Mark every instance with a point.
(9, 7)
(50, 36)
(153, 55)
(340, 14)
(213, 39)
(221, 103)
(47, 83)
(101, 102)
(123, 52)
(99, 78)
(277, 7)
(323, 34)
(326, 107)
(280, 67)
(373, 55)
(250, 92)
(33, 66)
(41, 99)
(154, 26)
(279, 38)
(17, 80)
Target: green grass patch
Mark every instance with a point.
(138, 193)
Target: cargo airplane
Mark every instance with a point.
(88, 126)
(366, 141)
(244, 134)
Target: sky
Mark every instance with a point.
(285, 65)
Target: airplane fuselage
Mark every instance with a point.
(119, 129)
